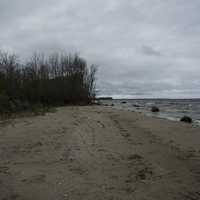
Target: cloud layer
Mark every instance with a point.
(143, 48)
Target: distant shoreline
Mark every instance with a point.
(111, 98)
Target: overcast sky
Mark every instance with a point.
(144, 48)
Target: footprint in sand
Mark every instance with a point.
(135, 157)
(101, 124)
(4, 170)
(40, 178)
(78, 170)
(191, 196)
(12, 197)
(139, 169)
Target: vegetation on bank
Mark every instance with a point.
(45, 81)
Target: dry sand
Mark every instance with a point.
(93, 153)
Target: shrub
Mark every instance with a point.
(4, 103)
(55, 80)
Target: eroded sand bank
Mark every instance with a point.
(96, 153)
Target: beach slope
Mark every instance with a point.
(100, 153)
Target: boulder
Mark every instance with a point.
(155, 109)
(136, 105)
(186, 119)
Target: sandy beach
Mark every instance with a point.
(100, 153)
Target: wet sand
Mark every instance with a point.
(100, 153)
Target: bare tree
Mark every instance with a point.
(56, 79)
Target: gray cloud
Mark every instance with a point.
(143, 48)
(147, 50)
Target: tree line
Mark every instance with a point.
(54, 80)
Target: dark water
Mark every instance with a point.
(172, 109)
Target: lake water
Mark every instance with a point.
(172, 109)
